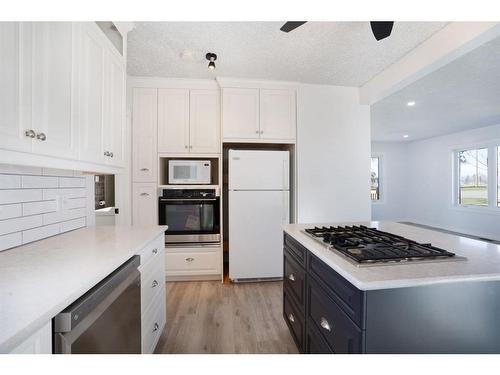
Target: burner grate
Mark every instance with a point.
(370, 245)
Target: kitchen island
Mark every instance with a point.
(39, 280)
(332, 305)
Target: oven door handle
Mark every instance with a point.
(188, 199)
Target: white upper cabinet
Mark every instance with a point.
(54, 79)
(173, 120)
(144, 130)
(14, 84)
(91, 96)
(204, 120)
(240, 113)
(277, 114)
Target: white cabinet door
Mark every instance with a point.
(144, 204)
(144, 132)
(277, 114)
(54, 80)
(91, 98)
(240, 113)
(173, 120)
(204, 120)
(114, 125)
(14, 87)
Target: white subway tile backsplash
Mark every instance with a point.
(64, 215)
(36, 203)
(8, 211)
(20, 223)
(71, 182)
(35, 208)
(20, 195)
(65, 193)
(30, 182)
(11, 240)
(10, 181)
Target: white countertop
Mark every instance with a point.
(482, 263)
(40, 279)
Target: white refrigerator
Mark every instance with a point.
(259, 202)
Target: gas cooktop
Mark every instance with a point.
(365, 246)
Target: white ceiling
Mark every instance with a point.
(464, 94)
(337, 53)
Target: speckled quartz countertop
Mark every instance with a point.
(482, 261)
(40, 279)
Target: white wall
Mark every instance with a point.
(429, 184)
(393, 176)
(333, 155)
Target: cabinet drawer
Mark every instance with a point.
(193, 263)
(346, 295)
(341, 334)
(155, 248)
(153, 322)
(152, 282)
(315, 343)
(295, 321)
(294, 280)
(295, 249)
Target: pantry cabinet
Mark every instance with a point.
(188, 121)
(253, 114)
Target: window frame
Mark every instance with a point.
(381, 178)
(492, 206)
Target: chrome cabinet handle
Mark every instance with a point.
(154, 284)
(154, 251)
(30, 133)
(144, 194)
(189, 259)
(144, 169)
(291, 277)
(41, 136)
(111, 154)
(325, 325)
(155, 327)
(291, 318)
(106, 153)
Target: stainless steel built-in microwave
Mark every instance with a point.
(189, 172)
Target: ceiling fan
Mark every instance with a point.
(380, 29)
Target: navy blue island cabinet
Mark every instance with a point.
(327, 314)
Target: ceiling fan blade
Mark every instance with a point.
(381, 29)
(291, 25)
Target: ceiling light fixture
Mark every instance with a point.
(405, 136)
(411, 103)
(211, 57)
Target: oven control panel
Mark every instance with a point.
(189, 193)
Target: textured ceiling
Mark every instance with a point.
(337, 53)
(464, 94)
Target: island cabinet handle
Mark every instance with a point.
(291, 318)
(325, 325)
(155, 251)
(155, 327)
(291, 277)
(154, 284)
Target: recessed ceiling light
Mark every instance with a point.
(405, 136)
(411, 103)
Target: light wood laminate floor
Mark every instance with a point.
(211, 317)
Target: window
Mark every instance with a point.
(473, 177)
(375, 178)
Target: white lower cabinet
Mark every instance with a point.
(153, 294)
(38, 343)
(196, 262)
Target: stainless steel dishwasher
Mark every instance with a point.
(106, 319)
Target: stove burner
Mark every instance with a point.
(370, 245)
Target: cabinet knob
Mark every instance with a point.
(291, 318)
(291, 277)
(154, 284)
(155, 327)
(186, 146)
(189, 259)
(325, 325)
(106, 153)
(154, 251)
(41, 136)
(190, 147)
(262, 132)
(30, 133)
(111, 154)
(144, 194)
(256, 132)
(144, 169)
